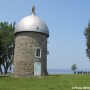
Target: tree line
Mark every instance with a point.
(87, 35)
(6, 45)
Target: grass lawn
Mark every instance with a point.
(52, 82)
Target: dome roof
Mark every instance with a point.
(32, 23)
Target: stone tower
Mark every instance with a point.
(30, 53)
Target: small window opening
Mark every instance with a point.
(38, 53)
(38, 28)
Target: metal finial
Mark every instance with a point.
(33, 9)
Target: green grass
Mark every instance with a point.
(52, 82)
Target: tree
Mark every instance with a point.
(6, 45)
(87, 34)
(73, 68)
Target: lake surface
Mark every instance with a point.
(64, 71)
(59, 71)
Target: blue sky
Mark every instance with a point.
(66, 20)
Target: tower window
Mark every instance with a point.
(38, 53)
(38, 28)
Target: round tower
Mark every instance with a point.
(30, 53)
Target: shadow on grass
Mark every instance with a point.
(5, 75)
(54, 75)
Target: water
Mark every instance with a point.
(64, 71)
(59, 71)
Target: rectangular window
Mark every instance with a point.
(38, 53)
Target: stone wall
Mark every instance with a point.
(24, 53)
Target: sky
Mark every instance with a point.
(66, 20)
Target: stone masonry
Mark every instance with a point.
(24, 53)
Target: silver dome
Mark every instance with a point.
(32, 23)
